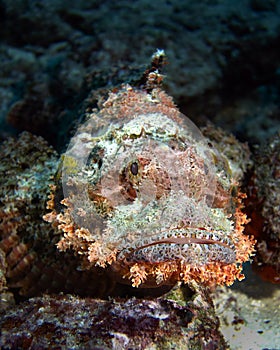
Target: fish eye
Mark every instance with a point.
(134, 168)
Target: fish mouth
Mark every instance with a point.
(184, 240)
(190, 249)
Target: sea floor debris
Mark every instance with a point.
(249, 313)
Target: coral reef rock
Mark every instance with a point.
(68, 322)
(263, 206)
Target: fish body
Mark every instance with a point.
(139, 198)
(142, 196)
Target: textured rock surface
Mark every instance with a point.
(216, 49)
(68, 322)
(263, 206)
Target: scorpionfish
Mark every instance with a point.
(139, 194)
(146, 195)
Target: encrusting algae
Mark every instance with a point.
(148, 197)
(140, 196)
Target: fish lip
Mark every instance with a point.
(181, 240)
